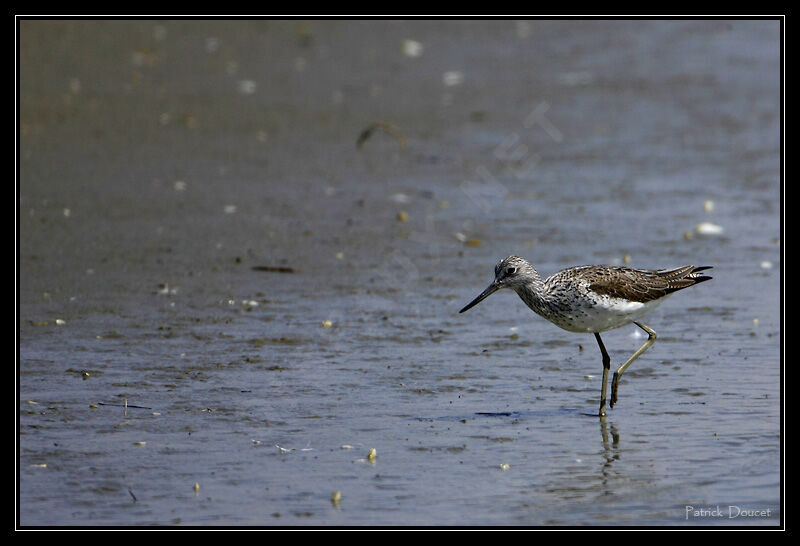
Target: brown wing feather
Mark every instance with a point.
(639, 284)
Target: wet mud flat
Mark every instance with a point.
(243, 247)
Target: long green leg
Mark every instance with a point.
(606, 366)
(651, 338)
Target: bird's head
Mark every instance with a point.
(509, 272)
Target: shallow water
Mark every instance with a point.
(163, 163)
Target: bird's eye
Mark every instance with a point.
(511, 271)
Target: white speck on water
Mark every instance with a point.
(246, 87)
(212, 44)
(401, 198)
(412, 48)
(708, 206)
(572, 79)
(159, 33)
(523, 29)
(452, 78)
(707, 228)
(766, 264)
(230, 209)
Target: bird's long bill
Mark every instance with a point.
(485, 294)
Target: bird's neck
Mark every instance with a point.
(532, 293)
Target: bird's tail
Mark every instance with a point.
(684, 277)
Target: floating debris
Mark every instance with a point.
(452, 78)
(708, 206)
(401, 198)
(165, 290)
(246, 87)
(212, 44)
(707, 228)
(766, 264)
(466, 240)
(336, 497)
(139, 444)
(504, 466)
(159, 33)
(60, 322)
(179, 185)
(189, 121)
(755, 322)
(626, 259)
(340, 255)
(402, 216)
(125, 405)
(229, 209)
(572, 79)
(387, 128)
(372, 455)
(273, 269)
(327, 323)
(346, 446)
(411, 48)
